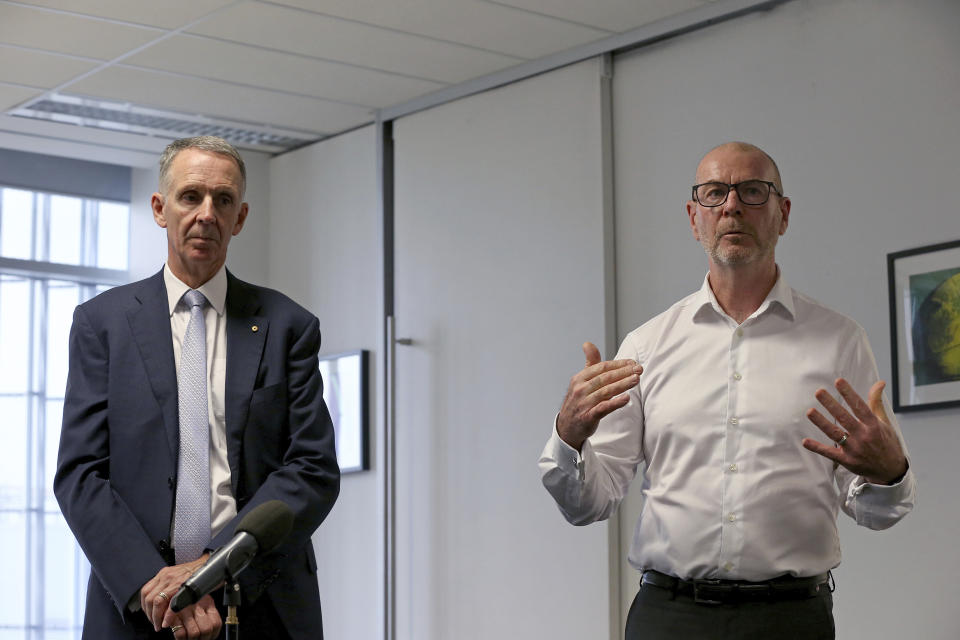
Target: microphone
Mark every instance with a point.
(260, 531)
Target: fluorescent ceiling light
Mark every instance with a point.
(130, 118)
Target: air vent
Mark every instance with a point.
(128, 118)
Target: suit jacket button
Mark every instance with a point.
(170, 482)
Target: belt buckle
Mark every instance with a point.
(698, 599)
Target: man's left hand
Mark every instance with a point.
(199, 621)
(868, 444)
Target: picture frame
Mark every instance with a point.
(346, 393)
(924, 290)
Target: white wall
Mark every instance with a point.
(148, 242)
(857, 100)
(499, 279)
(325, 252)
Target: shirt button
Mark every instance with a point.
(732, 518)
(734, 421)
(737, 376)
(728, 566)
(739, 333)
(733, 468)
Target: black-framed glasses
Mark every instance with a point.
(752, 192)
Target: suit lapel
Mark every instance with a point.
(246, 335)
(150, 325)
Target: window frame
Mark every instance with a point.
(36, 507)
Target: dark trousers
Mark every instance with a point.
(659, 614)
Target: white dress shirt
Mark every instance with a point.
(223, 506)
(718, 418)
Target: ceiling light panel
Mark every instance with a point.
(232, 62)
(127, 118)
(471, 22)
(217, 99)
(339, 40)
(46, 128)
(75, 35)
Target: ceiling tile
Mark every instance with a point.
(477, 23)
(200, 56)
(11, 96)
(169, 14)
(62, 33)
(613, 15)
(39, 69)
(335, 39)
(195, 96)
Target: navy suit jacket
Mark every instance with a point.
(117, 466)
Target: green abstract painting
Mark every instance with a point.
(935, 307)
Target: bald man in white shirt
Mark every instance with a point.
(738, 531)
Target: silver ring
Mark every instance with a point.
(176, 628)
(843, 439)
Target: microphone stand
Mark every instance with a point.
(231, 600)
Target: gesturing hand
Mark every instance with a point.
(594, 392)
(868, 445)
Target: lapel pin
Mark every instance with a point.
(254, 328)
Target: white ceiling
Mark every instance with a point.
(316, 67)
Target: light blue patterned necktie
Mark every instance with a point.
(191, 524)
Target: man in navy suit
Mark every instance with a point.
(270, 435)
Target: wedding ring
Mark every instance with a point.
(176, 628)
(842, 440)
(163, 595)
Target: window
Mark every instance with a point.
(55, 252)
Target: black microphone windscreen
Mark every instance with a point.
(269, 523)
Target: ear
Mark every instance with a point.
(784, 214)
(692, 215)
(156, 203)
(241, 218)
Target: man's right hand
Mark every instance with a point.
(155, 595)
(597, 390)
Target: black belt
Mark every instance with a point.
(734, 591)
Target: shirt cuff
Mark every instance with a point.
(133, 604)
(567, 459)
(879, 506)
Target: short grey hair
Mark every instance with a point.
(213, 144)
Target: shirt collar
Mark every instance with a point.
(780, 295)
(214, 289)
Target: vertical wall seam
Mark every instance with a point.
(610, 307)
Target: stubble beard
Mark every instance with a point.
(732, 254)
(729, 253)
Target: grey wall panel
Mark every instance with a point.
(499, 279)
(325, 252)
(64, 175)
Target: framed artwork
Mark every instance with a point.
(925, 326)
(345, 390)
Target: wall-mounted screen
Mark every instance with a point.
(345, 392)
